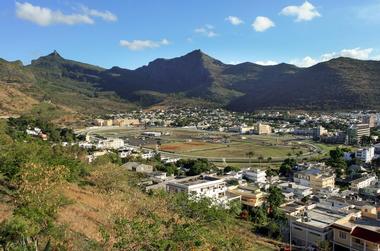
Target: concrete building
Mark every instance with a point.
(370, 119)
(250, 196)
(138, 167)
(255, 175)
(202, 186)
(318, 132)
(363, 182)
(358, 232)
(315, 178)
(263, 129)
(111, 143)
(312, 224)
(297, 190)
(356, 131)
(365, 154)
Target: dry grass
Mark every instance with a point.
(13, 101)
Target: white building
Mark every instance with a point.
(111, 143)
(298, 191)
(363, 182)
(365, 154)
(256, 175)
(152, 134)
(202, 186)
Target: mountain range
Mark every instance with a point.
(194, 79)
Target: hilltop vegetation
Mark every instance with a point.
(50, 198)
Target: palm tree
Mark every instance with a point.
(269, 159)
(250, 155)
(260, 158)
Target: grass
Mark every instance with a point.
(197, 143)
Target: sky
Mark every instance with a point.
(131, 33)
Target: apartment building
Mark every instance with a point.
(358, 232)
(202, 186)
(256, 175)
(312, 224)
(263, 129)
(250, 196)
(365, 154)
(370, 119)
(315, 178)
(363, 182)
(356, 132)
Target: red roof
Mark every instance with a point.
(366, 234)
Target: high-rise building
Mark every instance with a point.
(356, 131)
(370, 119)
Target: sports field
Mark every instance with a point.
(214, 145)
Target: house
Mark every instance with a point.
(365, 154)
(358, 231)
(138, 167)
(250, 196)
(363, 182)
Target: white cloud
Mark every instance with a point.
(105, 15)
(266, 62)
(45, 16)
(262, 24)
(356, 53)
(138, 45)
(207, 30)
(304, 62)
(234, 20)
(304, 12)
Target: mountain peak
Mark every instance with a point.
(54, 54)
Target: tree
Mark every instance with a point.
(287, 166)
(275, 197)
(228, 169)
(250, 155)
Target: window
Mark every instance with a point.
(342, 235)
(315, 234)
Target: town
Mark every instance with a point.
(327, 199)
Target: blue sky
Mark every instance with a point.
(130, 33)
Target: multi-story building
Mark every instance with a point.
(363, 182)
(318, 132)
(315, 178)
(297, 190)
(256, 175)
(202, 186)
(365, 154)
(312, 224)
(263, 129)
(370, 119)
(250, 196)
(358, 232)
(356, 131)
(111, 143)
